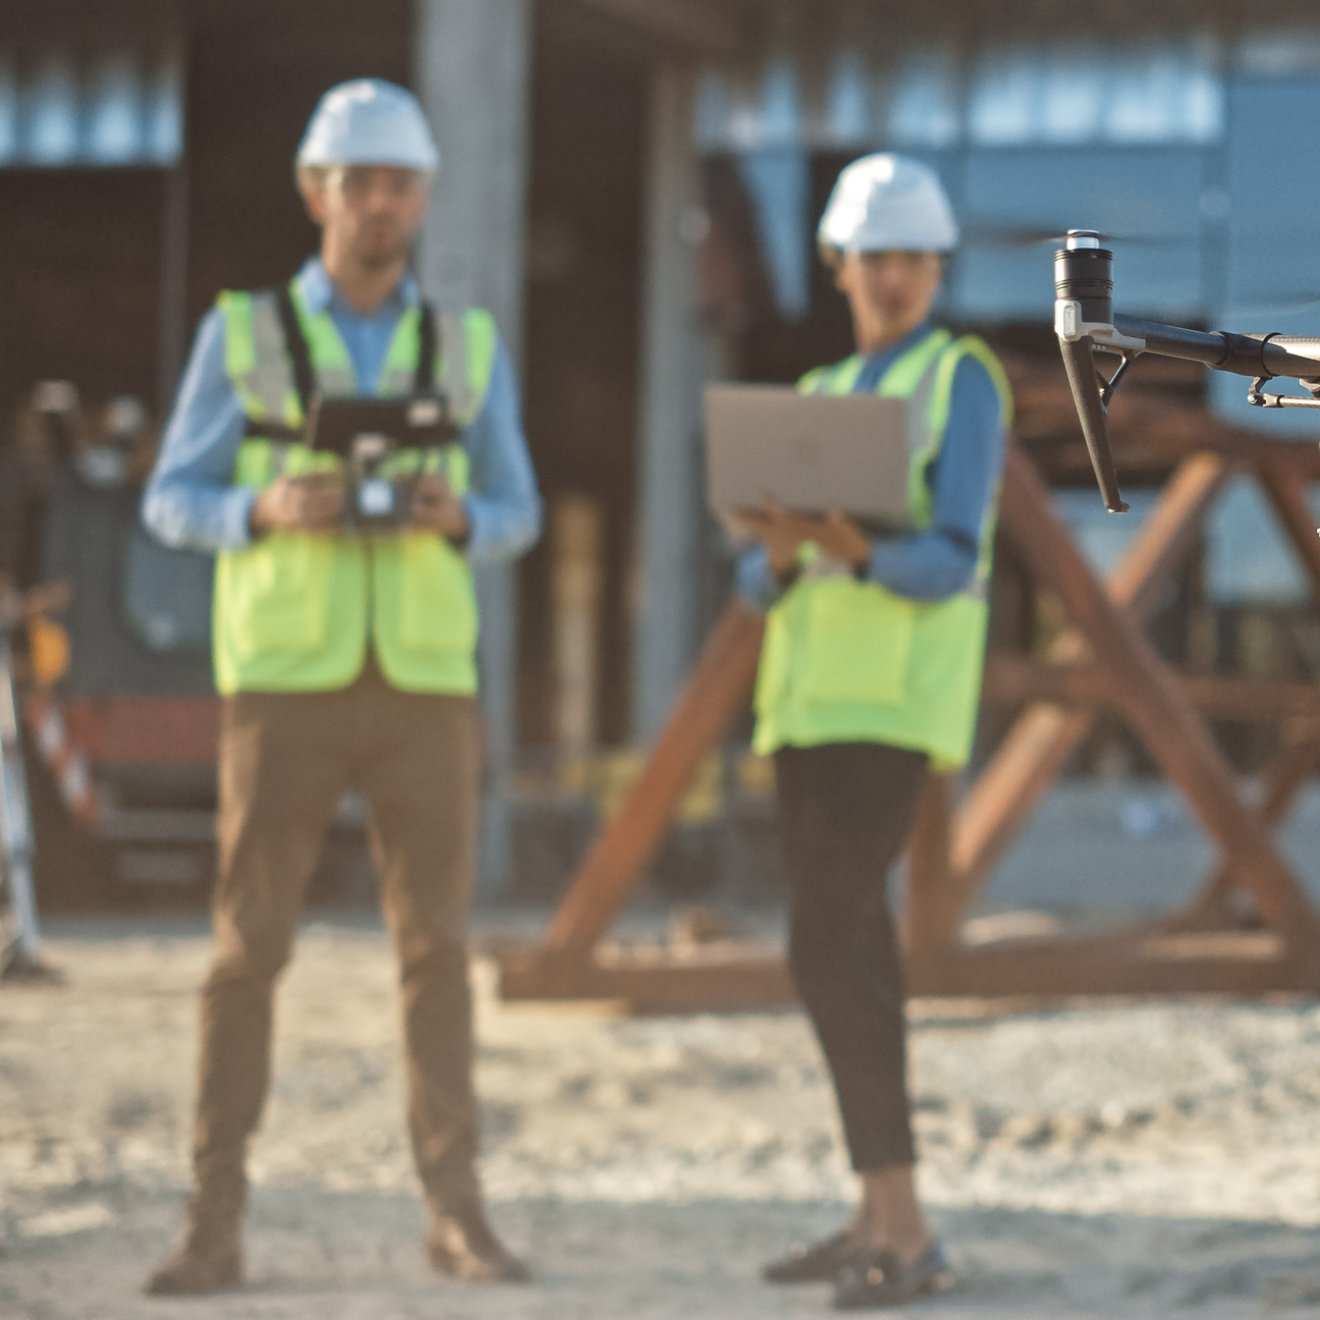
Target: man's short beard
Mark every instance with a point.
(374, 261)
(379, 260)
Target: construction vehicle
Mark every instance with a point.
(20, 945)
(121, 749)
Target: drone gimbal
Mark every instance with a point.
(1085, 324)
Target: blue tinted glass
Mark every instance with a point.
(1072, 95)
(1004, 106)
(114, 114)
(779, 184)
(848, 101)
(713, 112)
(925, 109)
(164, 119)
(8, 114)
(50, 115)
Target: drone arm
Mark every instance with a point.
(1085, 323)
(1244, 355)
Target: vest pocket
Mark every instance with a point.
(857, 644)
(275, 595)
(437, 601)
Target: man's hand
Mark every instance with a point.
(312, 503)
(435, 508)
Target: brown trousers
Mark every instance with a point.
(285, 761)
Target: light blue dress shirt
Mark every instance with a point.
(940, 561)
(191, 502)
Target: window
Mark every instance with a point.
(1155, 92)
(118, 108)
(924, 110)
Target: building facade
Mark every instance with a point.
(632, 186)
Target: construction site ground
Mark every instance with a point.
(1103, 1159)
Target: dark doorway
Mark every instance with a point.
(583, 308)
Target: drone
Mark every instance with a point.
(1086, 325)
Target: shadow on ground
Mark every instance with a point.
(357, 1256)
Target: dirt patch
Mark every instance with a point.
(1122, 1161)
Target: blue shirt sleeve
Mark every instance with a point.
(190, 500)
(941, 561)
(503, 505)
(757, 583)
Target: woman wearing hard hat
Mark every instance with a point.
(870, 675)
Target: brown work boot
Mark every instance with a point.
(463, 1245)
(209, 1258)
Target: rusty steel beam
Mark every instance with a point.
(926, 920)
(1284, 490)
(723, 981)
(713, 697)
(1284, 778)
(1247, 962)
(1012, 679)
(1155, 707)
(657, 980)
(1037, 747)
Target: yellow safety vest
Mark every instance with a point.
(851, 661)
(294, 611)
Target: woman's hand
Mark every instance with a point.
(840, 538)
(781, 533)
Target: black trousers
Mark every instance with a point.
(845, 810)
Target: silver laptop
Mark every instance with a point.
(810, 452)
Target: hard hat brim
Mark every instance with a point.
(427, 163)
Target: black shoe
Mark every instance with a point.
(816, 1263)
(464, 1246)
(876, 1279)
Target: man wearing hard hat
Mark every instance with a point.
(870, 673)
(344, 660)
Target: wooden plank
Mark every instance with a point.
(1284, 778)
(662, 985)
(1283, 488)
(714, 696)
(1013, 679)
(1155, 707)
(927, 920)
(1038, 746)
(1237, 963)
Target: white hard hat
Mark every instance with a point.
(887, 203)
(369, 122)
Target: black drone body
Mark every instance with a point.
(1085, 324)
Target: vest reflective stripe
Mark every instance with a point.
(254, 357)
(294, 612)
(849, 661)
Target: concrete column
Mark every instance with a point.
(674, 367)
(473, 72)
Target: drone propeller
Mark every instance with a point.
(1307, 303)
(1026, 236)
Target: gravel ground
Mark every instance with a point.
(1117, 1160)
